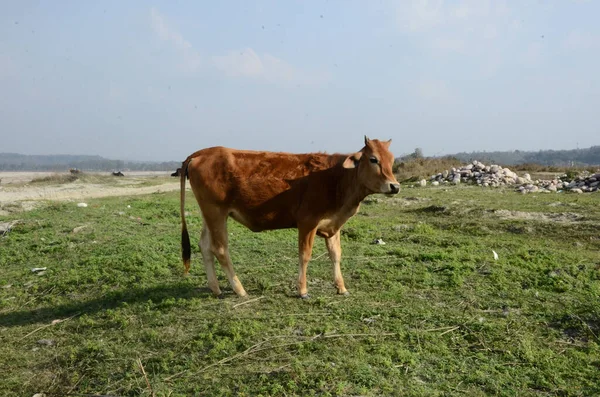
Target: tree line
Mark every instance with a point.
(574, 157)
(60, 162)
(557, 158)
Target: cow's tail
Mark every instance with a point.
(186, 251)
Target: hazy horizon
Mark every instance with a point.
(154, 82)
(396, 155)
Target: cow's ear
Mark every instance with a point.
(387, 143)
(352, 161)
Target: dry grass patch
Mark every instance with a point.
(423, 168)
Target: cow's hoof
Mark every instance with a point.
(305, 296)
(345, 293)
(220, 296)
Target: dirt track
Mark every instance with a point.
(15, 189)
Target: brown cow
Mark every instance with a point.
(315, 193)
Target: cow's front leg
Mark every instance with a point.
(306, 237)
(334, 246)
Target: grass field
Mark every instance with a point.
(431, 313)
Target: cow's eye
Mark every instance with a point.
(374, 160)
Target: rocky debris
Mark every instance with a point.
(496, 176)
(6, 227)
(583, 183)
(560, 217)
(480, 174)
(80, 228)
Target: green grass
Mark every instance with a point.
(430, 313)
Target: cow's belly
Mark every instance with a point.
(258, 222)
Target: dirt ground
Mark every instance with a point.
(16, 177)
(561, 217)
(17, 193)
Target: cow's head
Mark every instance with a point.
(374, 163)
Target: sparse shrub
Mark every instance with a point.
(534, 167)
(410, 170)
(571, 174)
(56, 178)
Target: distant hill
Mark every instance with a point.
(62, 162)
(574, 157)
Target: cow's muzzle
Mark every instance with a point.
(394, 188)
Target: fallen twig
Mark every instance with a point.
(278, 368)
(305, 314)
(357, 335)
(319, 257)
(438, 329)
(246, 302)
(222, 361)
(450, 330)
(587, 326)
(347, 259)
(46, 292)
(90, 395)
(139, 361)
(54, 322)
(75, 385)
(257, 348)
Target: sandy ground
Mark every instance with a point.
(17, 194)
(8, 178)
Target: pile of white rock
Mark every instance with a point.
(496, 176)
(584, 183)
(481, 174)
(580, 184)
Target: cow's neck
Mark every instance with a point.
(350, 191)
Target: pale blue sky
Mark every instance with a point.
(156, 81)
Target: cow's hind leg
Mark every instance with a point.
(334, 247)
(217, 224)
(209, 260)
